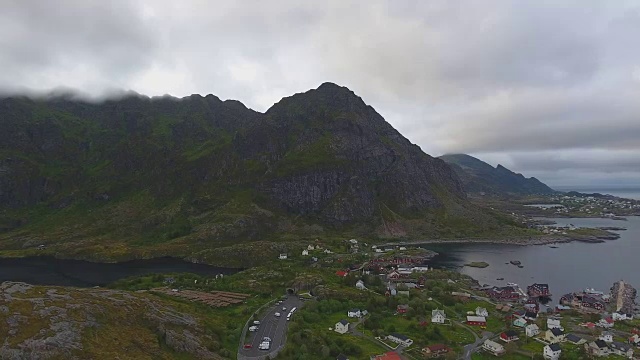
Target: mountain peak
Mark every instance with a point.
(329, 86)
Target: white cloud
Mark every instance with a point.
(485, 77)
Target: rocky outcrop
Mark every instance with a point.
(43, 323)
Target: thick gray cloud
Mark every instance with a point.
(549, 88)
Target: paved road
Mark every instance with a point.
(272, 327)
(471, 348)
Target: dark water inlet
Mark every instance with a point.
(45, 270)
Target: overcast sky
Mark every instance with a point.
(547, 88)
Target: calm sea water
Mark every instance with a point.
(51, 271)
(570, 267)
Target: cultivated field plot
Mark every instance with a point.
(213, 298)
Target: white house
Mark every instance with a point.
(341, 327)
(555, 335)
(438, 316)
(402, 248)
(622, 349)
(575, 339)
(597, 348)
(532, 330)
(420, 268)
(400, 339)
(493, 347)
(311, 247)
(353, 241)
(621, 316)
(554, 324)
(606, 323)
(606, 337)
(282, 257)
(354, 313)
(305, 252)
(327, 251)
(480, 311)
(635, 339)
(360, 285)
(551, 352)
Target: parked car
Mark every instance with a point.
(256, 322)
(248, 346)
(253, 328)
(266, 338)
(277, 314)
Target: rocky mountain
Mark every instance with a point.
(156, 174)
(478, 176)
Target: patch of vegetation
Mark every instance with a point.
(478, 264)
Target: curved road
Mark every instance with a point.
(272, 327)
(469, 349)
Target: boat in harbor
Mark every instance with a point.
(515, 262)
(500, 279)
(592, 291)
(512, 284)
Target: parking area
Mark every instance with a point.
(272, 327)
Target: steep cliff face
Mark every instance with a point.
(479, 176)
(324, 152)
(342, 160)
(202, 170)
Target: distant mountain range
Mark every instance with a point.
(478, 176)
(140, 176)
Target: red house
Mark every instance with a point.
(538, 290)
(476, 321)
(402, 309)
(509, 336)
(342, 273)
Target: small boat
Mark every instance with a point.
(512, 284)
(515, 262)
(553, 247)
(592, 291)
(520, 266)
(500, 279)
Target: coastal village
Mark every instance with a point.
(414, 311)
(576, 205)
(605, 206)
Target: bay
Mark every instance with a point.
(567, 268)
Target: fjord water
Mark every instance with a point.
(571, 267)
(60, 272)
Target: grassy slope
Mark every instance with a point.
(154, 209)
(112, 324)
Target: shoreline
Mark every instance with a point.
(509, 241)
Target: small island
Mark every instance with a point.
(477, 264)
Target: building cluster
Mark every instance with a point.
(600, 206)
(586, 301)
